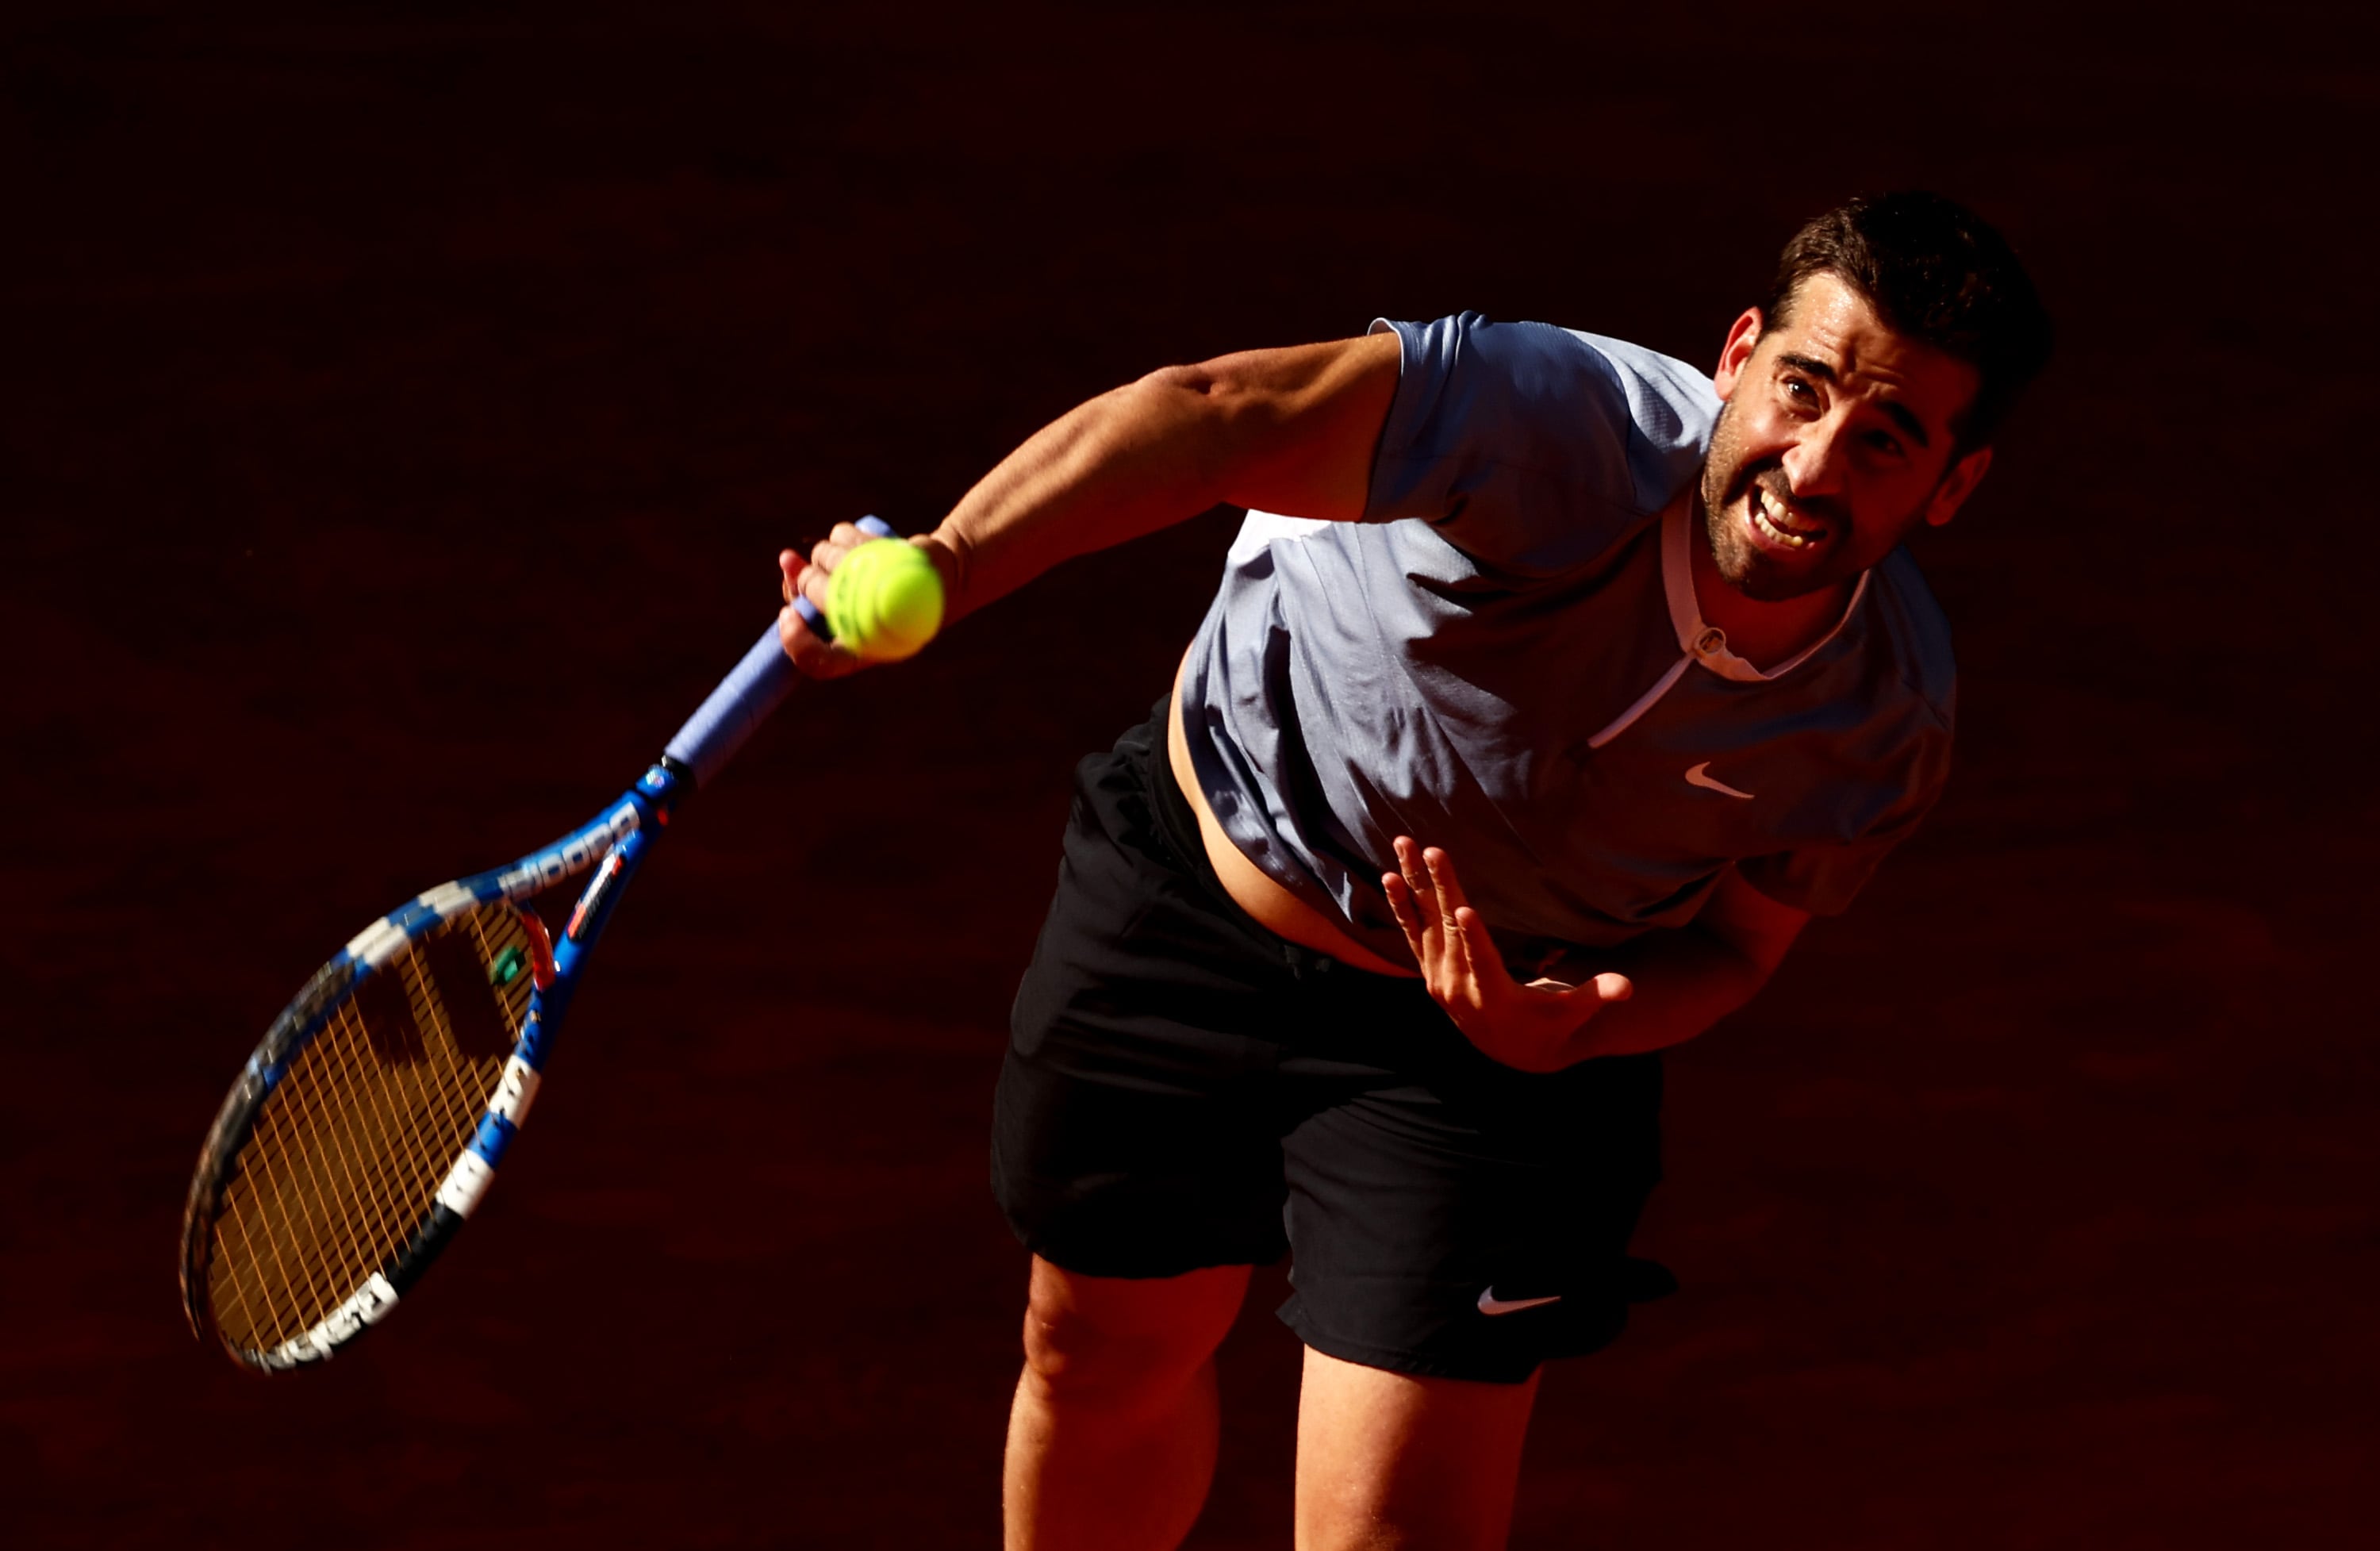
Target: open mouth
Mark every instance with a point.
(1779, 525)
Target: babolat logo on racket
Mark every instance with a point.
(368, 1306)
(572, 855)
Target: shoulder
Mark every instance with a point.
(1671, 405)
(1915, 635)
(1537, 396)
(1532, 361)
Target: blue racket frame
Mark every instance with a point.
(613, 844)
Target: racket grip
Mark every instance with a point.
(744, 700)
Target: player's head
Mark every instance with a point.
(1861, 399)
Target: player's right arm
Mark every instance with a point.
(1291, 430)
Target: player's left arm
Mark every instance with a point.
(1688, 979)
(1661, 990)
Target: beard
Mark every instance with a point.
(1728, 477)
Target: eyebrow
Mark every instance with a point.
(1898, 412)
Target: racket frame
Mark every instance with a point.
(613, 844)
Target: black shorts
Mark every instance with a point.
(1185, 1089)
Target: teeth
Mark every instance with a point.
(1772, 518)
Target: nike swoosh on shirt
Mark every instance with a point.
(1491, 1304)
(1700, 776)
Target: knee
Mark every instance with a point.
(1076, 1360)
(1120, 1347)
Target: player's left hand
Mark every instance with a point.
(1532, 1027)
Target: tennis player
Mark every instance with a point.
(1551, 688)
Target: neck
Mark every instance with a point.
(1762, 634)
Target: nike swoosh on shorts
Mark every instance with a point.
(1491, 1304)
(1700, 776)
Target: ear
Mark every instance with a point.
(1958, 483)
(1737, 353)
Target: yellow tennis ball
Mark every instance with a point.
(884, 602)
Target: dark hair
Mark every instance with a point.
(1933, 271)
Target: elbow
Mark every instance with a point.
(1200, 412)
(1248, 380)
(1209, 392)
(1197, 399)
(1195, 382)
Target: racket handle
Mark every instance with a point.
(740, 704)
(744, 700)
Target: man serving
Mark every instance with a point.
(1550, 689)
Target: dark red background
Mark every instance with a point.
(403, 412)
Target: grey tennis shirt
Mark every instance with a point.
(1506, 658)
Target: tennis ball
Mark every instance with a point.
(884, 602)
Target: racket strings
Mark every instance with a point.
(368, 1158)
(347, 1156)
(314, 1172)
(351, 1167)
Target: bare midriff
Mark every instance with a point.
(1251, 888)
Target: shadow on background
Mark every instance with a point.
(405, 409)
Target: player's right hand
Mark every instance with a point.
(817, 655)
(806, 576)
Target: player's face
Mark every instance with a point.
(1835, 441)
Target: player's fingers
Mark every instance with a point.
(817, 658)
(813, 652)
(1420, 924)
(1600, 990)
(839, 540)
(800, 645)
(1448, 887)
(813, 584)
(1472, 950)
(1416, 876)
(1400, 906)
(826, 554)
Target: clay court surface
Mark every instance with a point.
(403, 415)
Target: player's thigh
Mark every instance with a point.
(1089, 1335)
(1395, 1459)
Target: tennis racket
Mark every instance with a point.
(370, 1120)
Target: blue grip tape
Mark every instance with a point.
(740, 704)
(744, 700)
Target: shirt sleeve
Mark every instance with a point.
(1527, 446)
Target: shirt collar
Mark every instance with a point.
(1705, 642)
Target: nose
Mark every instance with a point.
(1816, 463)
